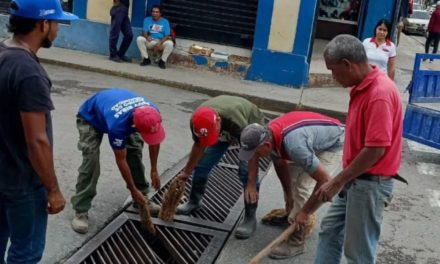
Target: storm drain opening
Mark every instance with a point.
(222, 204)
(197, 238)
(124, 241)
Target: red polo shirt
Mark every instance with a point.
(374, 119)
(434, 22)
(286, 123)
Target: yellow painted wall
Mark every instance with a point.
(283, 27)
(99, 10)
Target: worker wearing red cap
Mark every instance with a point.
(215, 125)
(126, 117)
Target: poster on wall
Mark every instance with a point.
(342, 10)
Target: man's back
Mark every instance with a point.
(434, 22)
(111, 111)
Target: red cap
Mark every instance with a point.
(148, 122)
(205, 127)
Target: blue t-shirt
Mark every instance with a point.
(111, 111)
(157, 29)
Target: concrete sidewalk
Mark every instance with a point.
(267, 96)
(331, 100)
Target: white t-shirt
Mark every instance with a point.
(379, 55)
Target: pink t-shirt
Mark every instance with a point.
(374, 119)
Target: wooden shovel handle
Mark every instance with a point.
(266, 251)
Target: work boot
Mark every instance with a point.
(249, 224)
(292, 246)
(115, 59)
(80, 223)
(195, 200)
(125, 58)
(161, 64)
(145, 62)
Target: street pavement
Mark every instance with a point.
(410, 230)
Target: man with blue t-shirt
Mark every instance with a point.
(155, 36)
(125, 117)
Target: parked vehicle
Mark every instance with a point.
(417, 22)
(431, 9)
(417, 7)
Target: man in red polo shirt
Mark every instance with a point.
(371, 157)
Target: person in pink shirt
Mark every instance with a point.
(433, 32)
(371, 157)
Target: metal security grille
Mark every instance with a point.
(4, 6)
(219, 21)
(197, 238)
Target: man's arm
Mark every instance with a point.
(121, 161)
(194, 157)
(166, 34)
(41, 157)
(313, 203)
(391, 67)
(154, 154)
(282, 170)
(146, 29)
(367, 157)
(250, 192)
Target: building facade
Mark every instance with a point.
(277, 34)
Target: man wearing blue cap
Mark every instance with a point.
(28, 185)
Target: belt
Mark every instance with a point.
(380, 178)
(373, 177)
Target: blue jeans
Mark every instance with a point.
(23, 221)
(210, 158)
(120, 22)
(353, 223)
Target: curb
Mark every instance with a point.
(321, 80)
(261, 102)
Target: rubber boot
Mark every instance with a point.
(249, 224)
(195, 200)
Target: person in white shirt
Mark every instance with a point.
(380, 50)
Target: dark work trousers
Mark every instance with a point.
(120, 23)
(433, 36)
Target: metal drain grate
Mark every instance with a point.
(231, 158)
(222, 205)
(124, 242)
(197, 238)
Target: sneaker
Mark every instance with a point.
(115, 59)
(145, 62)
(125, 58)
(80, 223)
(162, 64)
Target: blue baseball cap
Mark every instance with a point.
(40, 10)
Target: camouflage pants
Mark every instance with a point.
(89, 142)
